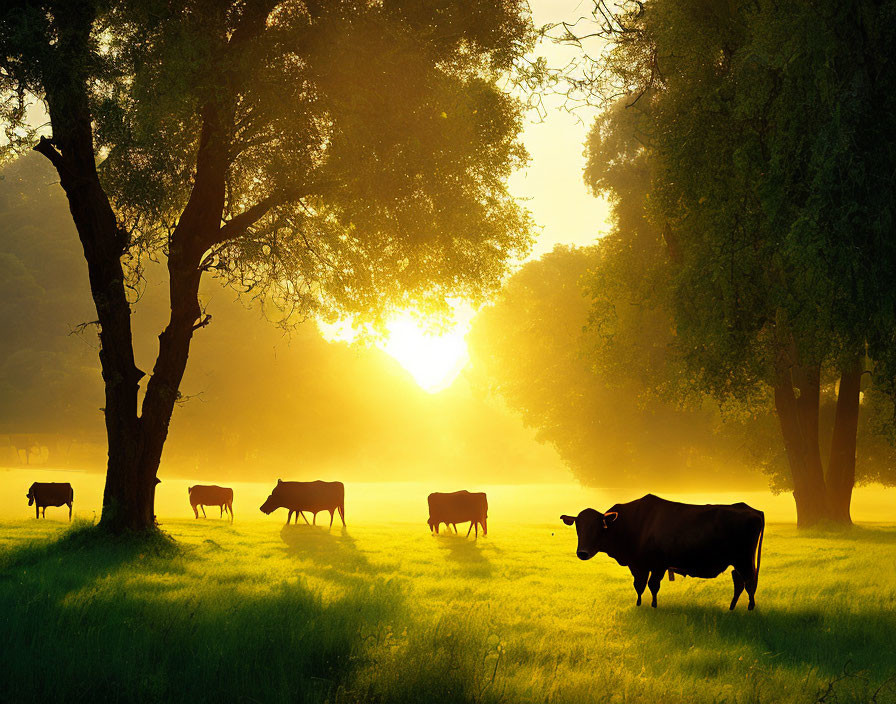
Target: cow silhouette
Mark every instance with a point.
(298, 497)
(458, 507)
(652, 536)
(211, 495)
(43, 494)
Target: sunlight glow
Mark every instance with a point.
(434, 360)
(433, 357)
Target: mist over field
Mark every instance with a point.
(447, 351)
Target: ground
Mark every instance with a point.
(256, 612)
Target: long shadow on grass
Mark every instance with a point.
(466, 554)
(826, 641)
(333, 553)
(84, 618)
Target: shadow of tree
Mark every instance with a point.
(882, 535)
(827, 641)
(467, 554)
(90, 617)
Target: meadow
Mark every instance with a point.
(256, 612)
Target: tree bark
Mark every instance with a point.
(841, 476)
(798, 417)
(198, 226)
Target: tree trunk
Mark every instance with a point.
(72, 153)
(798, 417)
(841, 476)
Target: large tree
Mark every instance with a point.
(766, 132)
(325, 158)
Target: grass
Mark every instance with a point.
(255, 612)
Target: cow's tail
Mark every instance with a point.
(759, 544)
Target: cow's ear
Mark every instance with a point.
(279, 481)
(610, 516)
(568, 520)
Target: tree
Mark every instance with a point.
(323, 158)
(598, 401)
(768, 134)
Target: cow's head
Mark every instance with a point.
(273, 501)
(30, 495)
(592, 528)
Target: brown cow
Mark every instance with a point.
(43, 494)
(211, 495)
(315, 496)
(458, 507)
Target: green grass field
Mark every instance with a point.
(385, 613)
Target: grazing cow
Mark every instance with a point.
(458, 507)
(211, 495)
(651, 536)
(315, 497)
(43, 494)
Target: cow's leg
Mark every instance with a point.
(476, 529)
(640, 581)
(43, 512)
(195, 510)
(221, 507)
(738, 588)
(69, 513)
(304, 518)
(331, 518)
(202, 506)
(469, 530)
(656, 577)
(230, 511)
(289, 517)
(37, 511)
(751, 581)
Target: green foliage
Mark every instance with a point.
(254, 612)
(760, 140)
(385, 118)
(369, 141)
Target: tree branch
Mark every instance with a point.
(239, 224)
(45, 146)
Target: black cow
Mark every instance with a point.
(651, 536)
(43, 494)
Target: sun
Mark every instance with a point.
(433, 359)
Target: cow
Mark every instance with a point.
(211, 495)
(43, 494)
(652, 536)
(458, 507)
(299, 497)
